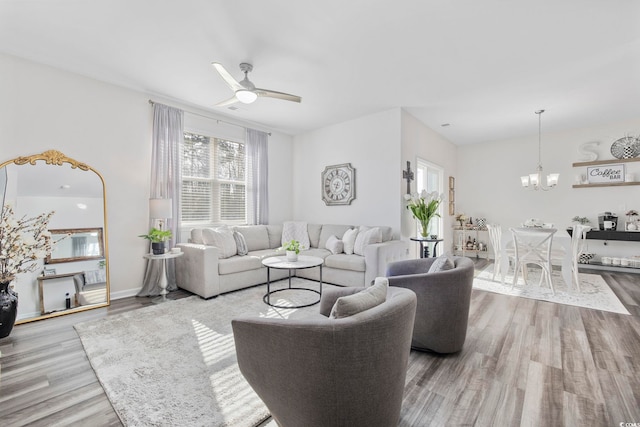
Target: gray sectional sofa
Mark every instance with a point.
(208, 270)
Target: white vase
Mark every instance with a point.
(292, 256)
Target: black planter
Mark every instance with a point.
(157, 248)
(8, 308)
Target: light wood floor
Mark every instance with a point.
(525, 362)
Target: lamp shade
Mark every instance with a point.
(160, 208)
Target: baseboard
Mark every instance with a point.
(126, 293)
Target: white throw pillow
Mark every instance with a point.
(296, 230)
(349, 240)
(365, 238)
(222, 238)
(335, 245)
(367, 298)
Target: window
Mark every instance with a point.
(214, 180)
(430, 177)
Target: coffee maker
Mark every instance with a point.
(608, 221)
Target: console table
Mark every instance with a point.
(628, 236)
(41, 280)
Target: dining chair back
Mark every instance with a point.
(533, 246)
(578, 246)
(495, 237)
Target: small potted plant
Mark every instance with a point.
(293, 249)
(157, 238)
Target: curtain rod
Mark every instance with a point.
(152, 102)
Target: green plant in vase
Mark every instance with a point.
(293, 249)
(424, 207)
(157, 237)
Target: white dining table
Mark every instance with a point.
(560, 239)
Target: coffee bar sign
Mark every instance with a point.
(605, 173)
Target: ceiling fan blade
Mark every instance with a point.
(229, 101)
(279, 95)
(233, 83)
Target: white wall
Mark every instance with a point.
(109, 128)
(419, 141)
(372, 145)
(489, 181)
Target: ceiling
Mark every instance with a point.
(483, 67)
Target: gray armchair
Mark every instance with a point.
(322, 372)
(443, 301)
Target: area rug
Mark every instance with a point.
(174, 364)
(594, 292)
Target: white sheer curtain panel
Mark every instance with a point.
(258, 179)
(166, 182)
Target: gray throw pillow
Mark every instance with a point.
(442, 263)
(361, 301)
(241, 243)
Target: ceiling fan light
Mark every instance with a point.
(246, 96)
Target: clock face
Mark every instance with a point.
(338, 184)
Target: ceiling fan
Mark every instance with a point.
(245, 91)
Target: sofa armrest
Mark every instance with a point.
(378, 255)
(197, 269)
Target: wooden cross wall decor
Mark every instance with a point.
(408, 175)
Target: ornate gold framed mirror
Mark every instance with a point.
(76, 275)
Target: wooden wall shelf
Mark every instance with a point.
(605, 184)
(606, 162)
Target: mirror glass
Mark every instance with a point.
(75, 277)
(76, 244)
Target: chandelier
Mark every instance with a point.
(535, 179)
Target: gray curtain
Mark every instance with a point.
(166, 181)
(258, 166)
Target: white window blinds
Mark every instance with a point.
(214, 180)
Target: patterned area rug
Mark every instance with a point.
(174, 364)
(594, 291)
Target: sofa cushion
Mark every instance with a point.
(222, 238)
(349, 240)
(275, 235)
(329, 230)
(345, 262)
(367, 298)
(256, 236)
(314, 234)
(387, 233)
(265, 253)
(335, 245)
(442, 263)
(365, 237)
(237, 264)
(196, 236)
(321, 253)
(241, 244)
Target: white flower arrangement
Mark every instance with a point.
(22, 241)
(424, 206)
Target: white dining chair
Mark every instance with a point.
(533, 246)
(578, 246)
(495, 237)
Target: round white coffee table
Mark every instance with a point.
(281, 263)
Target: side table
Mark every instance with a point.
(424, 248)
(163, 277)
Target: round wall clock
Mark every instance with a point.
(338, 184)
